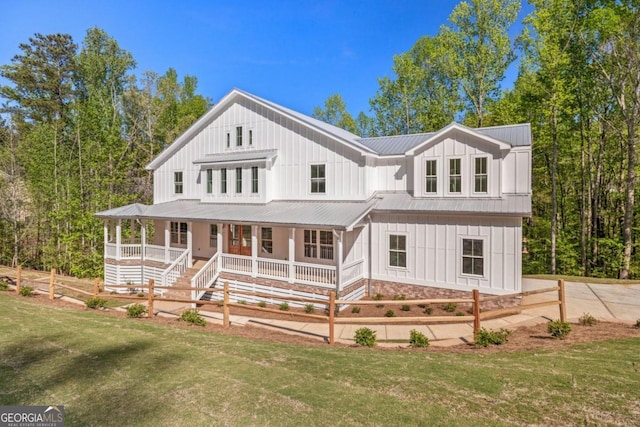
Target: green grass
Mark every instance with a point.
(582, 279)
(118, 371)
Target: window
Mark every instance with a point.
(223, 181)
(318, 179)
(239, 136)
(314, 246)
(254, 179)
(250, 136)
(213, 235)
(397, 250)
(431, 183)
(455, 176)
(472, 259)
(177, 182)
(179, 233)
(238, 180)
(228, 139)
(480, 175)
(209, 181)
(267, 240)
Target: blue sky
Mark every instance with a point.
(295, 53)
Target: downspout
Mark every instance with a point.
(369, 250)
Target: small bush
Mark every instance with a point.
(587, 320)
(192, 316)
(284, 306)
(379, 305)
(355, 309)
(405, 307)
(378, 297)
(399, 297)
(262, 304)
(484, 337)
(243, 302)
(449, 307)
(365, 337)
(422, 305)
(26, 291)
(428, 309)
(417, 339)
(136, 310)
(140, 294)
(459, 313)
(559, 329)
(638, 323)
(96, 302)
(390, 313)
(4, 285)
(309, 308)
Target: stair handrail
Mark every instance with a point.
(175, 265)
(205, 276)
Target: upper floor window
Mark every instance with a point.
(179, 233)
(239, 136)
(267, 240)
(250, 136)
(213, 235)
(228, 139)
(480, 185)
(431, 183)
(314, 246)
(223, 181)
(472, 257)
(238, 180)
(254, 179)
(455, 176)
(177, 182)
(397, 250)
(318, 179)
(209, 181)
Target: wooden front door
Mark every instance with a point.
(240, 239)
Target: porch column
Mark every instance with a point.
(167, 242)
(190, 243)
(143, 242)
(132, 231)
(339, 262)
(106, 236)
(254, 251)
(219, 238)
(118, 238)
(292, 255)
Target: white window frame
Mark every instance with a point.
(213, 235)
(178, 233)
(484, 257)
(224, 181)
(178, 184)
(250, 137)
(255, 180)
(268, 248)
(238, 181)
(459, 176)
(319, 181)
(406, 250)
(238, 136)
(228, 139)
(485, 174)
(209, 181)
(315, 248)
(434, 176)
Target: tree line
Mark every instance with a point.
(79, 128)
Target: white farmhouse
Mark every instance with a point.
(271, 200)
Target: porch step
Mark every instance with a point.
(185, 281)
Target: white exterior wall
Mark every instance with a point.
(517, 171)
(434, 252)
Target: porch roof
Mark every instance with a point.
(338, 215)
(256, 155)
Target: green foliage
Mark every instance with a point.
(96, 302)
(637, 325)
(428, 309)
(378, 297)
(262, 304)
(4, 285)
(136, 310)
(405, 307)
(26, 291)
(417, 339)
(365, 337)
(192, 316)
(243, 302)
(140, 295)
(449, 307)
(485, 338)
(379, 305)
(355, 309)
(335, 113)
(399, 297)
(390, 313)
(459, 313)
(559, 329)
(587, 320)
(308, 308)
(284, 306)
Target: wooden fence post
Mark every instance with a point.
(151, 296)
(476, 311)
(18, 279)
(96, 287)
(225, 306)
(52, 279)
(563, 306)
(332, 315)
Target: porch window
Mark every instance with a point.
(223, 181)
(179, 233)
(177, 182)
(213, 235)
(318, 179)
(480, 175)
(209, 181)
(455, 176)
(397, 250)
(238, 180)
(431, 183)
(310, 244)
(314, 246)
(239, 136)
(254, 179)
(326, 244)
(472, 257)
(267, 240)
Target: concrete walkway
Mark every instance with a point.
(619, 303)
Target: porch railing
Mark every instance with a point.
(352, 272)
(205, 277)
(273, 268)
(134, 251)
(313, 274)
(236, 263)
(176, 269)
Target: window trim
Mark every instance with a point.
(434, 176)
(255, 180)
(318, 249)
(178, 184)
(223, 181)
(391, 234)
(238, 136)
(458, 175)
(250, 137)
(209, 181)
(178, 233)
(269, 241)
(238, 180)
(484, 257)
(228, 139)
(321, 181)
(485, 174)
(213, 236)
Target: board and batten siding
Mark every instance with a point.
(298, 147)
(434, 252)
(516, 178)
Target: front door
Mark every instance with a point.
(240, 239)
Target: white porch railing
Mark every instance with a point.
(352, 272)
(130, 251)
(176, 269)
(205, 277)
(313, 274)
(134, 251)
(155, 253)
(236, 263)
(273, 268)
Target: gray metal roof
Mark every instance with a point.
(237, 157)
(517, 205)
(395, 145)
(124, 212)
(516, 135)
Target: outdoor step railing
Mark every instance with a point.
(176, 269)
(205, 277)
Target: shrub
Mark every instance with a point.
(405, 307)
(284, 306)
(587, 320)
(96, 302)
(379, 305)
(136, 310)
(309, 308)
(390, 313)
(559, 329)
(26, 291)
(378, 297)
(243, 302)
(365, 337)
(428, 309)
(449, 307)
(399, 297)
(459, 313)
(4, 285)
(638, 323)
(192, 316)
(484, 337)
(262, 304)
(355, 309)
(417, 339)
(140, 294)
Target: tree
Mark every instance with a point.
(335, 113)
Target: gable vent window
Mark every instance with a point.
(177, 182)
(239, 136)
(455, 176)
(431, 183)
(481, 175)
(318, 179)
